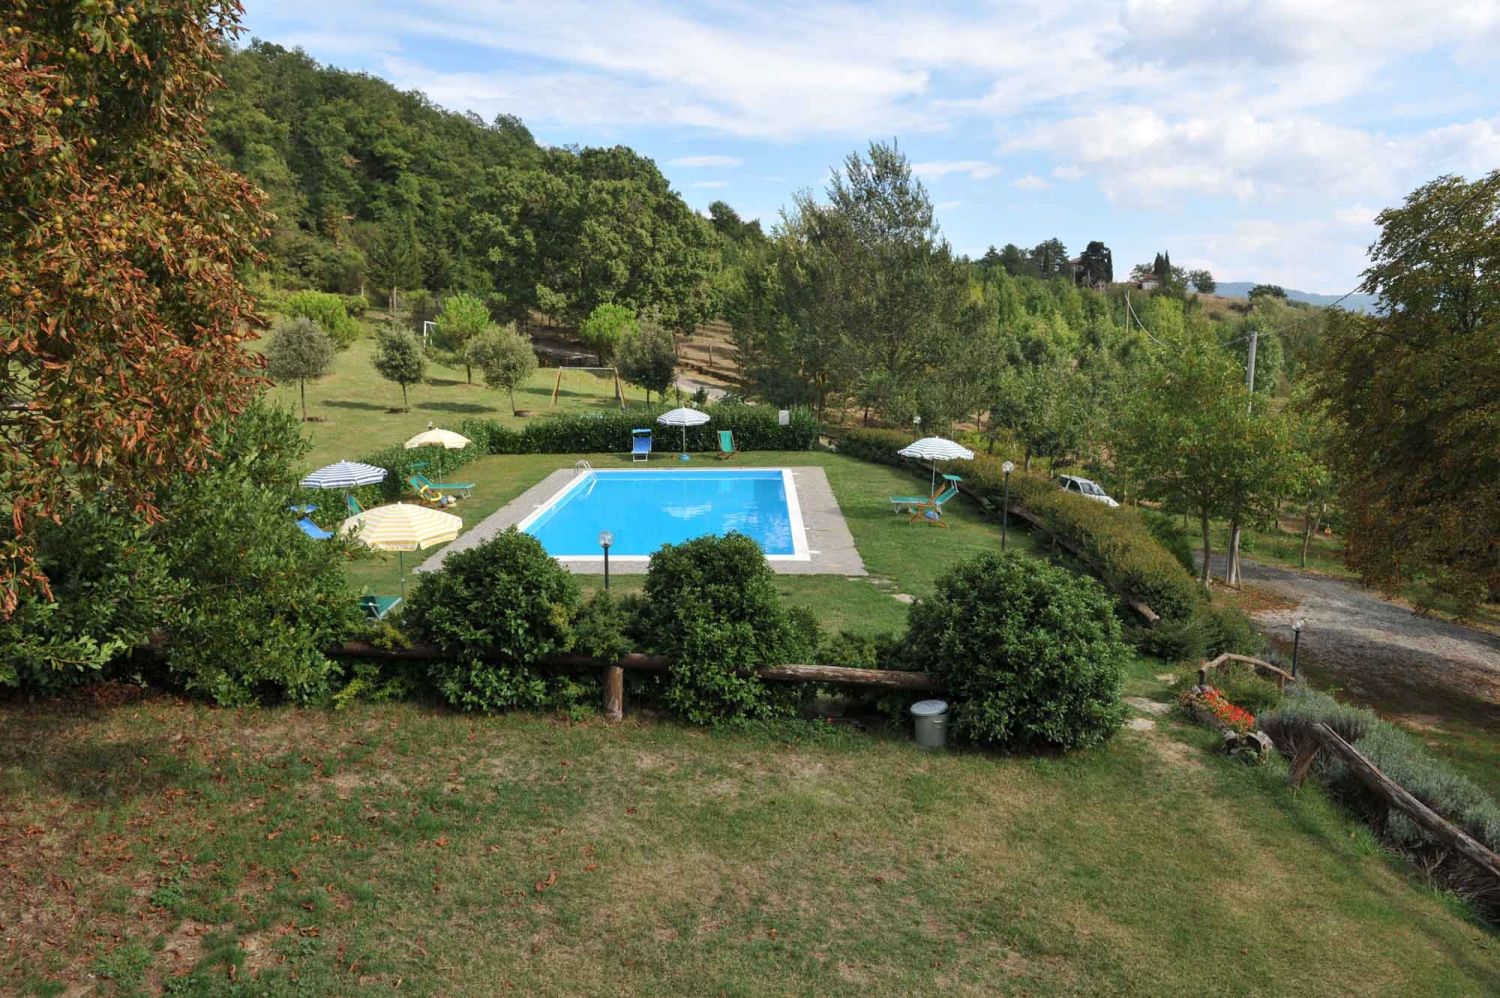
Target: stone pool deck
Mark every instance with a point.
(829, 542)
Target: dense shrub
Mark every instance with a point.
(401, 463)
(239, 603)
(754, 428)
(495, 611)
(1181, 640)
(1114, 542)
(328, 311)
(1405, 760)
(713, 608)
(1030, 653)
(1167, 530)
(1242, 686)
(1229, 629)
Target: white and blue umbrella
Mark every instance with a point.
(344, 475)
(684, 418)
(936, 449)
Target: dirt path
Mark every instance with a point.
(1382, 653)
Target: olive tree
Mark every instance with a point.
(299, 351)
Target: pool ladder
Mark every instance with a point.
(581, 467)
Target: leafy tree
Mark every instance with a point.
(462, 318)
(1050, 258)
(1017, 262)
(606, 328)
(1261, 291)
(1412, 439)
(1202, 281)
(399, 358)
(122, 246)
(1098, 264)
(328, 311)
(299, 351)
(1189, 438)
(648, 357)
(506, 358)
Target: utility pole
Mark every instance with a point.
(1232, 572)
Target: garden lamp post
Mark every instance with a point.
(605, 540)
(1296, 642)
(1007, 467)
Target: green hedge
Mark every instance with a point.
(1116, 542)
(754, 428)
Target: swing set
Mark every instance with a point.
(614, 376)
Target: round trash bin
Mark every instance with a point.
(929, 720)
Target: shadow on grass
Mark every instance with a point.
(351, 404)
(463, 407)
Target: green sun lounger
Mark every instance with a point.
(905, 503)
(462, 488)
(931, 510)
(353, 506)
(726, 445)
(376, 607)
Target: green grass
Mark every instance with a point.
(401, 847)
(351, 406)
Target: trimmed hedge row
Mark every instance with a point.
(1115, 541)
(754, 428)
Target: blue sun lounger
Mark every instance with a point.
(640, 444)
(312, 530)
(376, 607)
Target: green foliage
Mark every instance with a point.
(713, 608)
(241, 603)
(1243, 688)
(299, 351)
(754, 428)
(328, 311)
(495, 611)
(1113, 542)
(647, 356)
(606, 329)
(1412, 392)
(506, 358)
(604, 626)
(1230, 629)
(1030, 653)
(463, 319)
(259, 601)
(399, 358)
(1202, 281)
(1168, 532)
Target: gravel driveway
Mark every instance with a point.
(1381, 653)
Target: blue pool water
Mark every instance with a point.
(646, 509)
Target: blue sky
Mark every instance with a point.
(1257, 139)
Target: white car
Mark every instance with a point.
(1085, 488)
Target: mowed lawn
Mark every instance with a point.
(903, 558)
(351, 406)
(159, 844)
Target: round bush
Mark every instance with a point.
(496, 610)
(712, 607)
(1031, 653)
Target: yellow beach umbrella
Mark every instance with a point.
(402, 527)
(446, 439)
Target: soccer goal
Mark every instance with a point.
(607, 375)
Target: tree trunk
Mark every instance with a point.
(469, 373)
(302, 386)
(1207, 549)
(512, 392)
(1026, 459)
(1309, 527)
(405, 406)
(1232, 556)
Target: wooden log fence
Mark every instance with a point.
(614, 672)
(1325, 739)
(1275, 673)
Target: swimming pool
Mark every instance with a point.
(646, 509)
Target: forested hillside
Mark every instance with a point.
(377, 190)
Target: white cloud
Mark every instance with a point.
(974, 169)
(705, 161)
(1067, 173)
(1031, 182)
(709, 185)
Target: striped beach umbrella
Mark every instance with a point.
(936, 449)
(402, 527)
(344, 475)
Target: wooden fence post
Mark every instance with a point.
(614, 693)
